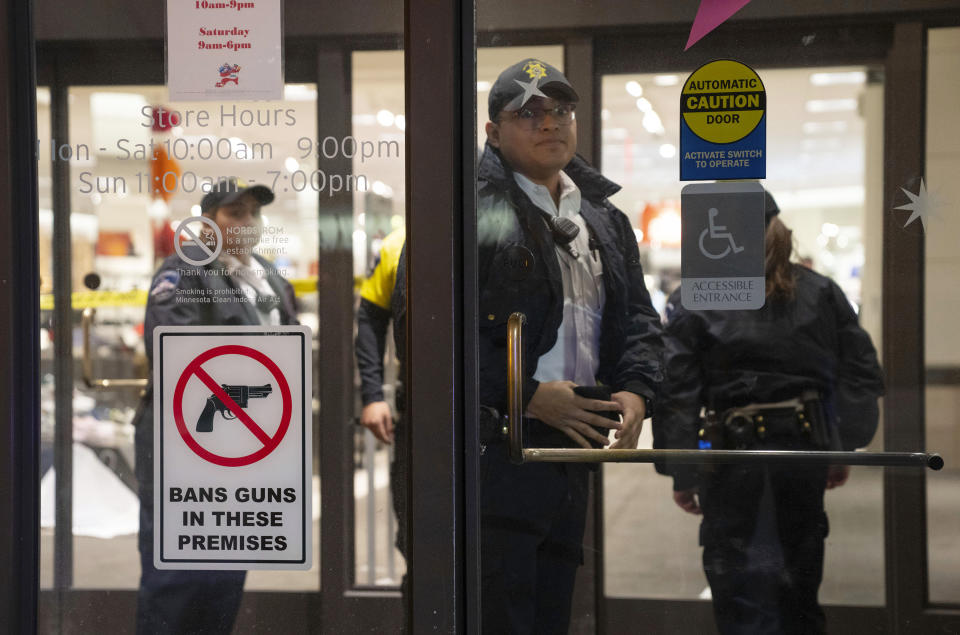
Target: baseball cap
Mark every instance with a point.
(525, 79)
(226, 191)
(770, 207)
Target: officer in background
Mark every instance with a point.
(797, 374)
(381, 300)
(550, 245)
(250, 291)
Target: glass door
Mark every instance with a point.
(121, 168)
(825, 126)
(830, 138)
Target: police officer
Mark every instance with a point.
(797, 374)
(383, 300)
(249, 291)
(550, 245)
(377, 308)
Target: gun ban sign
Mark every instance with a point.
(221, 400)
(233, 476)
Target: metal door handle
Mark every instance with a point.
(515, 385)
(519, 454)
(100, 384)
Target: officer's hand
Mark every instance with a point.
(686, 499)
(557, 405)
(837, 475)
(634, 412)
(377, 418)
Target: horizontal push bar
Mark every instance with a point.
(742, 457)
(519, 454)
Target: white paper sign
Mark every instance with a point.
(232, 447)
(224, 49)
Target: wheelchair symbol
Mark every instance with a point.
(718, 232)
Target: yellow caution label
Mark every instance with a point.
(723, 101)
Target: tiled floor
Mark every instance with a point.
(651, 545)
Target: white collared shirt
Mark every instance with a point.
(252, 280)
(576, 355)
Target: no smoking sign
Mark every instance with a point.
(232, 447)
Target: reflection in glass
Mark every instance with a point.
(826, 170)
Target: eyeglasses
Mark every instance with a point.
(533, 118)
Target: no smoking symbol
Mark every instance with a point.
(195, 368)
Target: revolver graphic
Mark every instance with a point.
(240, 394)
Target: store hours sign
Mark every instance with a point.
(224, 49)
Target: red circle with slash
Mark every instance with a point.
(269, 443)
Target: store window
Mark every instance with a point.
(140, 165)
(378, 228)
(824, 132)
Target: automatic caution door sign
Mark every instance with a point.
(721, 250)
(723, 124)
(232, 447)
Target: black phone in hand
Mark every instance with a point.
(600, 393)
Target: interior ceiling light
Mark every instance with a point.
(385, 118)
(644, 105)
(666, 80)
(831, 105)
(364, 120)
(821, 127)
(839, 78)
(119, 106)
(668, 150)
(652, 123)
(634, 88)
(483, 87)
(299, 92)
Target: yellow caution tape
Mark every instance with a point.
(303, 286)
(138, 297)
(97, 299)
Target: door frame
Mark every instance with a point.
(19, 342)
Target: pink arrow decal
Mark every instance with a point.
(710, 15)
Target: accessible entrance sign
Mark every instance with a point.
(723, 124)
(722, 248)
(232, 447)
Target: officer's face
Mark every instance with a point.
(537, 148)
(241, 225)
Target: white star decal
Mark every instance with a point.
(921, 204)
(530, 89)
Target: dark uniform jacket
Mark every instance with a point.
(518, 270)
(197, 287)
(726, 359)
